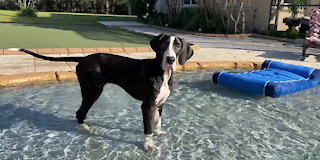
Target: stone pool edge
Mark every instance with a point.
(60, 76)
(120, 50)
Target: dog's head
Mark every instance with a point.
(169, 48)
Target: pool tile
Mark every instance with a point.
(89, 50)
(144, 49)
(75, 50)
(130, 50)
(60, 50)
(103, 50)
(117, 50)
(45, 51)
(7, 52)
(35, 50)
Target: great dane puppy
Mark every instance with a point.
(147, 80)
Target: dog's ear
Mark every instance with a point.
(154, 43)
(185, 53)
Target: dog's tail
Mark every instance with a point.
(64, 59)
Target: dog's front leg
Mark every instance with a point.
(150, 120)
(158, 130)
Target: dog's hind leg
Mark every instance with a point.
(91, 84)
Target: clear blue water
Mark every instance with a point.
(204, 121)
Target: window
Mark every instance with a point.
(189, 2)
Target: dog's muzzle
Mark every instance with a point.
(170, 59)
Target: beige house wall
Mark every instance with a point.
(263, 7)
(312, 2)
(257, 13)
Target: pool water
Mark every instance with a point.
(203, 121)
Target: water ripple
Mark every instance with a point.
(204, 121)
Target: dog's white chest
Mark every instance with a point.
(164, 89)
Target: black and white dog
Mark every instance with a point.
(148, 80)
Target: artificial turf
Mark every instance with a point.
(66, 36)
(62, 18)
(64, 30)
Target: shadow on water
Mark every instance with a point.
(209, 86)
(43, 121)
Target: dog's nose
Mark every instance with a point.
(170, 59)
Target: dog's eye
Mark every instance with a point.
(178, 46)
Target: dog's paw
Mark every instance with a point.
(148, 144)
(149, 148)
(85, 127)
(160, 132)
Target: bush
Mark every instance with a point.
(191, 19)
(274, 33)
(215, 25)
(142, 8)
(9, 4)
(120, 7)
(27, 11)
(159, 19)
(263, 31)
(82, 6)
(291, 33)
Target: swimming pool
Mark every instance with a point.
(203, 120)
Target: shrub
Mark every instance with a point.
(215, 25)
(191, 19)
(273, 32)
(142, 8)
(291, 33)
(27, 11)
(159, 19)
(9, 4)
(263, 31)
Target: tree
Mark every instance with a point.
(68, 5)
(44, 5)
(207, 9)
(107, 6)
(173, 7)
(129, 8)
(232, 14)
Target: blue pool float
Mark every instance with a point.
(274, 79)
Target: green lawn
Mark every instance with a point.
(62, 18)
(66, 36)
(65, 30)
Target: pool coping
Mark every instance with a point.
(79, 50)
(119, 50)
(60, 76)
